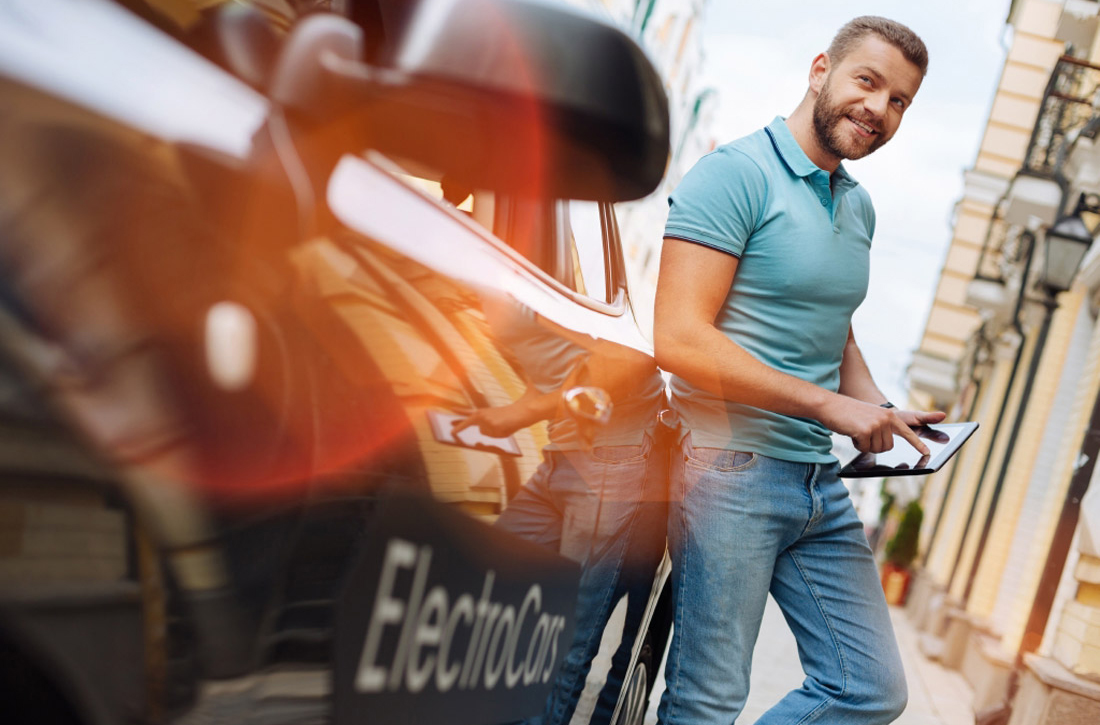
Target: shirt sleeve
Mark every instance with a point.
(719, 202)
(869, 210)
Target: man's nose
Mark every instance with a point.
(877, 103)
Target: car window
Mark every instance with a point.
(583, 230)
(567, 239)
(436, 190)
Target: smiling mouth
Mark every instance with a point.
(863, 126)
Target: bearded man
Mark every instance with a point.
(766, 257)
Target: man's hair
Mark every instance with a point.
(894, 33)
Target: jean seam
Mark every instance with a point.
(607, 462)
(814, 714)
(814, 516)
(695, 463)
(618, 461)
(608, 592)
(681, 576)
(633, 459)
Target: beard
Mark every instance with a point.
(833, 139)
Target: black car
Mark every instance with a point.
(252, 272)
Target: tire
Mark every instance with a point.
(636, 689)
(638, 685)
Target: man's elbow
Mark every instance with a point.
(668, 349)
(617, 369)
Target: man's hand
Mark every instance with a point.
(495, 422)
(917, 418)
(872, 427)
(504, 420)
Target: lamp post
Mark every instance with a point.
(1066, 243)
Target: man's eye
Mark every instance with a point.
(900, 103)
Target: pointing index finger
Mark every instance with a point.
(910, 435)
(462, 423)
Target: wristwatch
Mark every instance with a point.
(887, 404)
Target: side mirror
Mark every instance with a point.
(241, 39)
(518, 96)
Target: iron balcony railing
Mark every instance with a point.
(1070, 106)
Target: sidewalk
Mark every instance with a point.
(937, 696)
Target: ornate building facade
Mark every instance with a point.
(1009, 588)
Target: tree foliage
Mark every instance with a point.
(902, 547)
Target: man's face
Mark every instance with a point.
(861, 99)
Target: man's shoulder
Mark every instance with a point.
(754, 148)
(723, 197)
(753, 155)
(745, 158)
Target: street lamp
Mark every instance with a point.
(1066, 244)
(1072, 241)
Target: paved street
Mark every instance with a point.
(936, 696)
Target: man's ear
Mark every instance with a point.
(819, 71)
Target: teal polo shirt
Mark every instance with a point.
(803, 238)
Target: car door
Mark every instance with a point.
(261, 352)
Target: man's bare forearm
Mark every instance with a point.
(855, 377)
(692, 287)
(702, 355)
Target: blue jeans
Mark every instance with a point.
(742, 525)
(605, 509)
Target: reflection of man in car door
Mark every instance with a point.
(597, 498)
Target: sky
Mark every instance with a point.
(758, 56)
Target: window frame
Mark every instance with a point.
(555, 228)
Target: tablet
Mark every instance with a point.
(443, 430)
(942, 439)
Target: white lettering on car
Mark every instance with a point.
(428, 633)
(399, 554)
(533, 664)
(427, 621)
(409, 627)
(446, 674)
(556, 626)
(533, 598)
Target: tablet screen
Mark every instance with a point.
(942, 439)
(443, 430)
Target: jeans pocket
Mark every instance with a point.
(619, 454)
(719, 459)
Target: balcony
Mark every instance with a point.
(934, 375)
(1061, 162)
(1069, 109)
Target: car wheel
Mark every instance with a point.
(636, 690)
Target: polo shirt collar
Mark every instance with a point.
(797, 160)
(789, 150)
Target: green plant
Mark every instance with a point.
(887, 498)
(902, 547)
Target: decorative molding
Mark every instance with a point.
(1033, 197)
(983, 187)
(934, 375)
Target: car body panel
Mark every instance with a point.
(208, 534)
